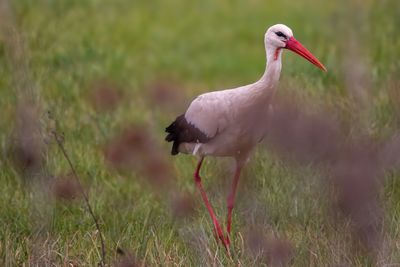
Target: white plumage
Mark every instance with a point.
(230, 118)
(229, 123)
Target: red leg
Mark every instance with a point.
(231, 200)
(218, 229)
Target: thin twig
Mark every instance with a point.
(86, 198)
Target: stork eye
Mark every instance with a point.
(280, 34)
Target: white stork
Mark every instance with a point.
(227, 123)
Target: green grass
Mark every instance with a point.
(203, 46)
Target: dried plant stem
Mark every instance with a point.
(85, 196)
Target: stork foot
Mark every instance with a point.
(219, 237)
(228, 241)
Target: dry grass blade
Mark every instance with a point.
(60, 144)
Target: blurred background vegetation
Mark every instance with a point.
(93, 68)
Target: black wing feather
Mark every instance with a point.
(181, 131)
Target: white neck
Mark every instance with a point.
(273, 68)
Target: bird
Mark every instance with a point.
(226, 123)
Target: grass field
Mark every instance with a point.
(62, 54)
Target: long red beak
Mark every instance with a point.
(298, 48)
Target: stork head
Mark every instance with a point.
(281, 36)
